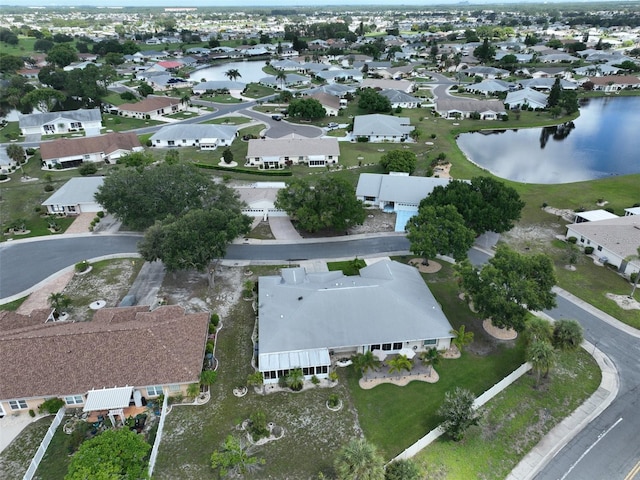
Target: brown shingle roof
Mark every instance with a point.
(109, 143)
(122, 346)
(149, 104)
(616, 80)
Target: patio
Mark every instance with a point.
(419, 372)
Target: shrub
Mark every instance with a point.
(209, 347)
(334, 400)
(51, 405)
(30, 151)
(32, 413)
(258, 425)
(100, 214)
(633, 277)
(333, 376)
(433, 136)
(49, 188)
(88, 168)
(37, 209)
(96, 219)
(315, 380)
(177, 398)
(212, 329)
(215, 319)
(588, 250)
(362, 139)
(572, 240)
(81, 266)
(545, 204)
(149, 143)
(3, 177)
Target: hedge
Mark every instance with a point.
(272, 173)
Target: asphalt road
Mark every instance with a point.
(609, 447)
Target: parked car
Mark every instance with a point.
(277, 118)
(332, 125)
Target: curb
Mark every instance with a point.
(558, 437)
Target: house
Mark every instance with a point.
(399, 99)
(270, 153)
(593, 216)
(330, 103)
(152, 107)
(614, 240)
(487, 72)
(75, 197)
(526, 98)
(403, 85)
(235, 89)
(72, 152)
(52, 123)
(260, 199)
(546, 84)
(291, 80)
(204, 136)
(382, 128)
(490, 87)
(614, 83)
(340, 75)
(557, 58)
(397, 193)
(152, 353)
(306, 318)
(465, 108)
(631, 211)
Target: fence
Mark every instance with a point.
(156, 443)
(35, 461)
(481, 400)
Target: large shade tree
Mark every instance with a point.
(306, 108)
(508, 285)
(330, 203)
(141, 196)
(486, 204)
(399, 161)
(439, 230)
(114, 454)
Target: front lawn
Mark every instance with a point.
(255, 90)
(117, 123)
(514, 422)
(348, 267)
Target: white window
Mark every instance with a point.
(18, 404)
(431, 341)
(174, 388)
(154, 391)
(73, 400)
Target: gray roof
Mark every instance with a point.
(388, 302)
(331, 74)
(38, 119)
(526, 95)
(487, 70)
(469, 105)
(396, 96)
(337, 89)
(377, 124)
(189, 131)
(76, 191)
(293, 146)
(219, 85)
(397, 188)
(618, 235)
(546, 83)
(490, 86)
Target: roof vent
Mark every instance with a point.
(299, 298)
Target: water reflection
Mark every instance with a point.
(603, 141)
(250, 72)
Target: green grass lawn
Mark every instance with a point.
(229, 120)
(348, 267)
(11, 131)
(15, 459)
(255, 90)
(514, 422)
(226, 98)
(123, 124)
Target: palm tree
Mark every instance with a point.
(431, 358)
(58, 301)
(358, 460)
(399, 363)
(461, 338)
(567, 334)
(541, 356)
(366, 361)
(295, 379)
(538, 329)
(232, 74)
(281, 77)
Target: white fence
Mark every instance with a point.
(156, 443)
(35, 461)
(481, 400)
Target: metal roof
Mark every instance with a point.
(108, 398)
(377, 124)
(191, 131)
(397, 188)
(76, 191)
(80, 115)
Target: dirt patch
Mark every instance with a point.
(431, 267)
(499, 333)
(531, 237)
(624, 301)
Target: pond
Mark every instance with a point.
(251, 72)
(604, 141)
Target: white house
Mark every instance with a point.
(75, 197)
(260, 199)
(614, 240)
(88, 121)
(526, 98)
(270, 153)
(235, 89)
(465, 108)
(397, 193)
(203, 136)
(330, 103)
(72, 152)
(399, 99)
(306, 318)
(152, 107)
(382, 128)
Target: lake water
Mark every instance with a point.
(251, 72)
(603, 141)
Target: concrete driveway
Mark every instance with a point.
(282, 229)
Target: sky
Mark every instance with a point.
(260, 3)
